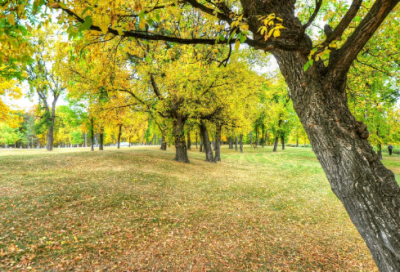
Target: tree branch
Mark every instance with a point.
(318, 4)
(266, 46)
(344, 57)
(344, 23)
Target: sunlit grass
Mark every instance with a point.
(137, 209)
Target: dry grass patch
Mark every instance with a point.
(140, 210)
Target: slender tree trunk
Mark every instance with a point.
(92, 133)
(206, 141)
(241, 143)
(236, 143)
(283, 142)
(85, 139)
(257, 138)
(276, 143)
(218, 142)
(196, 140)
(266, 137)
(189, 143)
(297, 142)
(101, 136)
(379, 147)
(119, 135)
(251, 138)
(50, 133)
(180, 142)
(263, 137)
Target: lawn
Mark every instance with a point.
(137, 209)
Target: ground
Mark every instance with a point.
(136, 209)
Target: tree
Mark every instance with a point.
(45, 81)
(366, 188)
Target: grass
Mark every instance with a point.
(137, 209)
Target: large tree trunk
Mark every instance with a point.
(163, 143)
(119, 135)
(241, 143)
(180, 141)
(206, 141)
(218, 142)
(101, 139)
(367, 189)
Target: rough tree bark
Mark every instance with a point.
(207, 143)
(367, 189)
(218, 142)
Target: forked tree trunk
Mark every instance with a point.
(119, 135)
(241, 143)
(180, 141)
(283, 142)
(207, 143)
(163, 143)
(101, 138)
(218, 142)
